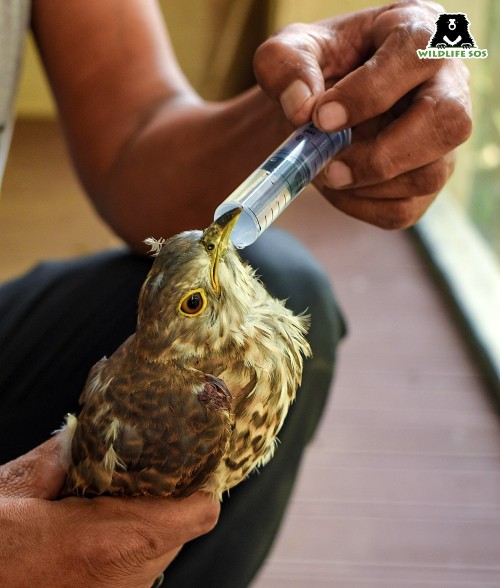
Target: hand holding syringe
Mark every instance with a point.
(269, 189)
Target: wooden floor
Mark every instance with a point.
(401, 487)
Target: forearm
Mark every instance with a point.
(172, 175)
(153, 156)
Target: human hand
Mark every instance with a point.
(361, 70)
(79, 542)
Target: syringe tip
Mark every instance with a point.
(224, 219)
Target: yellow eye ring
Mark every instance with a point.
(193, 303)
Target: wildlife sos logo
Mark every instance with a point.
(452, 38)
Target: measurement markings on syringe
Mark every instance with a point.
(282, 201)
(269, 190)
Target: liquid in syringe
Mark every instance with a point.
(270, 188)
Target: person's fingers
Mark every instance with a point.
(169, 522)
(296, 65)
(391, 68)
(103, 541)
(118, 537)
(288, 67)
(129, 539)
(389, 214)
(397, 203)
(438, 119)
(423, 181)
(369, 57)
(37, 474)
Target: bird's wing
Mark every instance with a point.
(213, 434)
(144, 433)
(94, 380)
(102, 371)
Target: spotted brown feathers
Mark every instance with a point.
(188, 403)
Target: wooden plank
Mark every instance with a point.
(401, 486)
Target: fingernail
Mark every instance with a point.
(338, 174)
(332, 116)
(294, 97)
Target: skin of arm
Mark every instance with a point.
(153, 156)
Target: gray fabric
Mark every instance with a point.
(14, 16)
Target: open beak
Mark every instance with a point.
(216, 241)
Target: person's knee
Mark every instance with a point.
(315, 297)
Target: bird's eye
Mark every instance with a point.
(193, 303)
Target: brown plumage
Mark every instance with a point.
(195, 398)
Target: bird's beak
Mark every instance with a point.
(215, 239)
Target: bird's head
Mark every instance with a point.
(196, 296)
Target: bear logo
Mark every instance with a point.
(452, 30)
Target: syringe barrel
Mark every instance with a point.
(271, 187)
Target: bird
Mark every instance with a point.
(195, 398)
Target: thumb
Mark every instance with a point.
(288, 68)
(36, 474)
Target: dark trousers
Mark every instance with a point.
(63, 316)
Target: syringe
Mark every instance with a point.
(270, 188)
